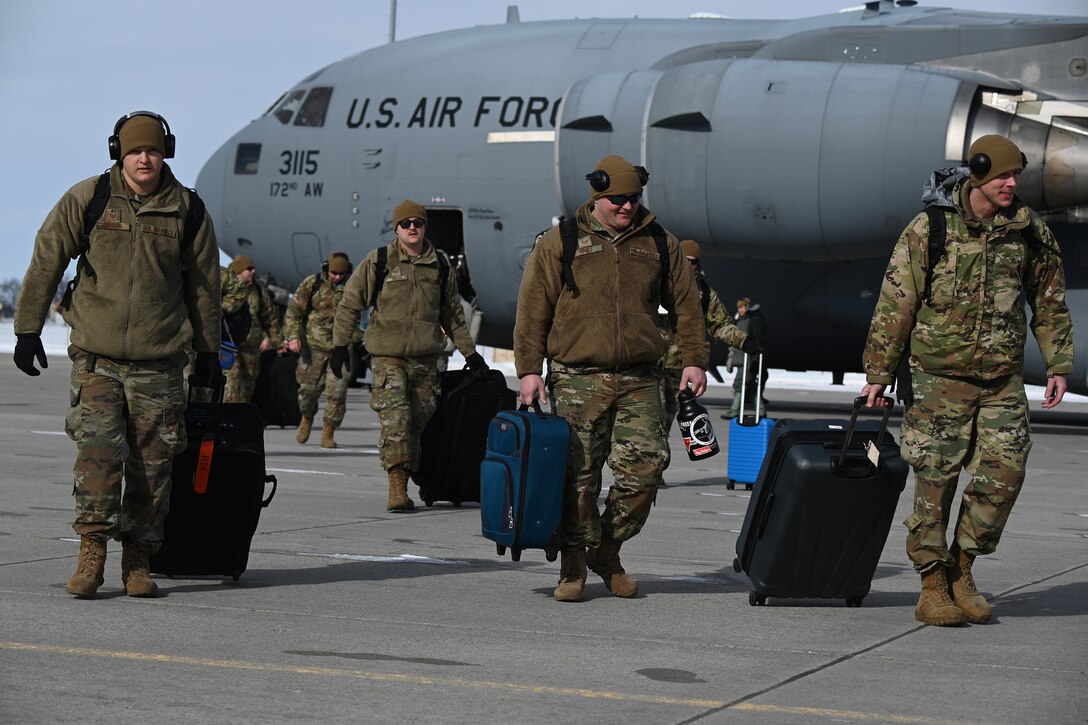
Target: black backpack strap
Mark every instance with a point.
(91, 215)
(381, 268)
(937, 242)
(568, 232)
(704, 293)
(314, 288)
(443, 274)
(194, 218)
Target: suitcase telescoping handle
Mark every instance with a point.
(759, 389)
(858, 402)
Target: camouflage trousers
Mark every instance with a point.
(618, 418)
(127, 420)
(313, 378)
(404, 394)
(242, 375)
(954, 424)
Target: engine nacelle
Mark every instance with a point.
(794, 159)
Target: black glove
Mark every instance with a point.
(476, 363)
(338, 360)
(27, 347)
(207, 373)
(752, 346)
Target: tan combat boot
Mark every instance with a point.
(398, 491)
(326, 436)
(605, 562)
(89, 572)
(962, 588)
(136, 571)
(934, 605)
(572, 575)
(303, 433)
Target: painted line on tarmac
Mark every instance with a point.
(716, 705)
(306, 471)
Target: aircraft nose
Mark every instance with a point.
(210, 183)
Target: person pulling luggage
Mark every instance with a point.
(415, 306)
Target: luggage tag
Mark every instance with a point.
(872, 452)
(203, 465)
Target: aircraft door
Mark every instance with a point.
(306, 248)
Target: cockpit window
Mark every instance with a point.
(286, 110)
(245, 162)
(314, 108)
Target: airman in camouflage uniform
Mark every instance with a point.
(264, 329)
(719, 324)
(132, 318)
(603, 346)
(405, 336)
(966, 346)
(308, 330)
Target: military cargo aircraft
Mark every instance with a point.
(793, 151)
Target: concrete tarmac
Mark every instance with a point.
(348, 613)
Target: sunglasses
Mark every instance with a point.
(621, 199)
(408, 223)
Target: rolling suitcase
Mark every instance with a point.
(453, 443)
(521, 481)
(217, 492)
(748, 436)
(819, 518)
(276, 391)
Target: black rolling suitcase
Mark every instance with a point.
(455, 440)
(276, 391)
(820, 513)
(217, 493)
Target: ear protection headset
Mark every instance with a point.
(115, 140)
(980, 164)
(325, 264)
(599, 181)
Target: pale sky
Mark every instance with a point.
(70, 68)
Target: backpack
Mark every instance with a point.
(381, 269)
(568, 232)
(194, 217)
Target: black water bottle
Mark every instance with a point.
(695, 427)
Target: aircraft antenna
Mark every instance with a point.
(392, 21)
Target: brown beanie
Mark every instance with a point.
(622, 177)
(408, 209)
(339, 263)
(240, 264)
(1004, 156)
(690, 248)
(142, 132)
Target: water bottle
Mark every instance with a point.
(695, 427)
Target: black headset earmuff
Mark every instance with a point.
(599, 181)
(325, 264)
(114, 141)
(980, 164)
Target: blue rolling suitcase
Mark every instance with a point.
(819, 518)
(748, 437)
(521, 481)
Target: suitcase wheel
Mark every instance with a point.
(551, 554)
(235, 576)
(748, 486)
(854, 601)
(429, 502)
(730, 484)
(756, 600)
(500, 549)
(515, 554)
(456, 504)
(736, 565)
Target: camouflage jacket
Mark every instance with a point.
(611, 323)
(140, 304)
(265, 316)
(411, 316)
(719, 324)
(974, 324)
(313, 312)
